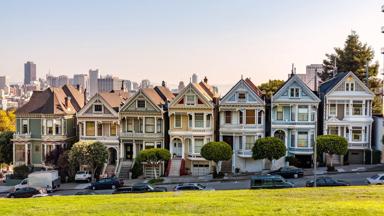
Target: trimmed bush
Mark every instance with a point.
(268, 148)
(20, 172)
(217, 152)
(331, 145)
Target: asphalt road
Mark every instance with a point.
(353, 178)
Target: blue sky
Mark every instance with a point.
(170, 40)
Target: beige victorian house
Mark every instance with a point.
(191, 120)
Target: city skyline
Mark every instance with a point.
(171, 41)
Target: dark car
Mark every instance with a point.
(269, 182)
(122, 190)
(85, 193)
(24, 193)
(191, 186)
(288, 172)
(327, 182)
(145, 187)
(107, 183)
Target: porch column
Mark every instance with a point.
(84, 128)
(193, 145)
(309, 113)
(257, 116)
(155, 125)
(244, 117)
(134, 150)
(243, 142)
(95, 128)
(171, 147)
(121, 150)
(26, 153)
(296, 112)
(205, 120)
(182, 148)
(45, 150)
(54, 126)
(338, 130)
(350, 133)
(143, 124)
(45, 126)
(350, 107)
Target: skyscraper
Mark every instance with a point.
(108, 83)
(93, 76)
(3, 82)
(29, 72)
(194, 78)
(81, 80)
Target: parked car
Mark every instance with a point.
(269, 182)
(288, 172)
(377, 179)
(327, 182)
(191, 186)
(145, 187)
(22, 184)
(26, 192)
(50, 180)
(83, 176)
(122, 190)
(107, 183)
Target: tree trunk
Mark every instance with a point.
(93, 174)
(331, 156)
(154, 170)
(218, 166)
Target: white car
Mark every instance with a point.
(22, 184)
(377, 179)
(83, 176)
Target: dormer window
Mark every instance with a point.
(190, 100)
(294, 92)
(140, 103)
(97, 108)
(241, 96)
(349, 86)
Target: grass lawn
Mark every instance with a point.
(363, 200)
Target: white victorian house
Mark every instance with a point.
(98, 120)
(242, 122)
(347, 112)
(294, 110)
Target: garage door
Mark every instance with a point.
(200, 168)
(355, 157)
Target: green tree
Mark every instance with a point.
(355, 56)
(6, 147)
(216, 152)
(331, 145)
(90, 154)
(270, 87)
(153, 157)
(270, 148)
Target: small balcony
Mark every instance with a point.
(301, 150)
(22, 136)
(358, 145)
(244, 153)
(101, 138)
(56, 137)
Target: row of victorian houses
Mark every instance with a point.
(183, 123)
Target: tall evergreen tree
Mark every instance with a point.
(355, 56)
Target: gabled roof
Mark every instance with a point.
(153, 96)
(199, 90)
(64, 100)
(164, 93)
(208, 89)
(328, 85)
(115, 98)
(292, 79)
(252, 87)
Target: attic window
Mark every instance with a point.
(349, 86)
(294, 92)
(190, 100)
(241, 96)
(97, 108)
(141, 104)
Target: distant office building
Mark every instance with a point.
(181, 86)
(29, 72)
(3, 82)
(108, 83)
(310, 78)
(57, 81)
(145, 83)
(194, 78)
(93, 83)
(128, 85)
(135, 86)
(80, 80)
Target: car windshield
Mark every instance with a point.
(375, 176)
(80, 172)
(150, 187)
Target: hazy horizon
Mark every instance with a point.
(171, 40)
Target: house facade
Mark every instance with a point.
(99, 121)
(347, 112)
(294, 110)
(242, 122)
(143, 121)
(46, 122)
(192, 124)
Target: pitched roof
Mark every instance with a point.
(64, 100)
(165, 93)
(115, 98)
(153, 96)
(328, 85)
(253, 87)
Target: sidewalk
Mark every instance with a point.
(347, 169)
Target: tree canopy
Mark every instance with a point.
(270, 87)
(153, 157)
(331, 145)
(7, 121)
(217, 152)
(268, 148)
(6, 147)
(91, 154)
(355, 56)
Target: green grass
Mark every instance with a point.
(364, 200)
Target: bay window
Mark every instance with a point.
(198, 145)
(302, 139)
(149, 125)
(250, 117)
(303, 113)
(228, 117)
(249, 142)
(58, 127)
(159, 126)
(49, 127)
(199, 120)
(89, 128)
(112, 129)
(130, 125)
(357, 134)
(357, 108)
(177, 121)
(279, 113)
(332, 109)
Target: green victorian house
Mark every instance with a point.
(46, 122)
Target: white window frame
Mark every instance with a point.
(241, 99)
(190, 103)
(202, 120)
(296, 91)
(22, 125)
(350, 86)
(330, 110)
(181, 121)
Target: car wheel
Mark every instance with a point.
(296, 175)
(93, 188)
(113, 186)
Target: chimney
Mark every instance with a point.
(206, 80)
(85, 96)
(163, 83)
(78, 87)
(122, 85)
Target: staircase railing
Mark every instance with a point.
(168, 167)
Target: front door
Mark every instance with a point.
(229, 140)
(128, 151)
(177, 148)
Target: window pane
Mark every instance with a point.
(208, 120)
(250, 116)
(99, 129)
(90, 128)
(228, 117)
(303, 113)
(249, 142)
(302, 139)
(198, 144)
(141, 103)
(113, 130)
(190, 99)
(199, 120)
(150, 125)
(177, 120)
(159, 125)
(98, 108)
